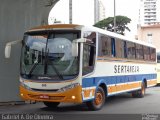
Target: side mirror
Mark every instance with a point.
(7, 50)
(8, 47)
(75, 45)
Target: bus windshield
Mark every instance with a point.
(47, 55)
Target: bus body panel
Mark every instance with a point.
(119, 77)
(66, 96)
(51, 91)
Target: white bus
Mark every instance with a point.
(75, 63)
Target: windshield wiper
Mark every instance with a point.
(35, 64)
(32, 68)
(55, 69)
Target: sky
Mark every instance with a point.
(83, 12)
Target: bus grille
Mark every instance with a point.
(45, 90)
(50, 97)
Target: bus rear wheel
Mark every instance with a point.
(99, 100)
(140, 93)
(51, 104)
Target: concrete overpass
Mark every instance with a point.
(16, 16)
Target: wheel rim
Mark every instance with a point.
(99, 98)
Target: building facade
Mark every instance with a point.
(99, 11)
(150, 34)
(148, 12)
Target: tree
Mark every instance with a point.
(108, 24)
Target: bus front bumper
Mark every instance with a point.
(72, 95)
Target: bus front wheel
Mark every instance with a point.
(51, 104)
(140, 93)
(99, 100)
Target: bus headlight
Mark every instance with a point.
(24, 85)
(68, 87)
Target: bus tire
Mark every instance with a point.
(51, 104)
(140, 93)
(99, 100)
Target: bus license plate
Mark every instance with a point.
(44, 96)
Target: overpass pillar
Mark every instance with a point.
(16, 16)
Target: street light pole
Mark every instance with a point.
(114, 16)
(70, 11)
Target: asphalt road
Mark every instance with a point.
(117, 106)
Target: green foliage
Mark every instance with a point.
(108, 24)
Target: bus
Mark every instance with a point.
(158, 67)
(79, 64)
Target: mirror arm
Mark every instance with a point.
(14, 42)
(8, 47)
(80, 40)
(75, 45)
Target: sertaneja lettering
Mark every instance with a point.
(125, 69)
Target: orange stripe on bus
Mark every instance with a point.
(87, 92)
(55, 26)
(151, 82)
(123, 87)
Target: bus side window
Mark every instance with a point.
(131, 50)
(125, 49)
(146, 53)
(113, 47)
(120, 49)
(139, 52)
(89, 53)
(158, 57)
(92, 55)
(153, 54)
(88, 58)
(106, 46)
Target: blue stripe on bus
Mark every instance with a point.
(108, 80)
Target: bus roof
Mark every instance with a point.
(88, 28)
(115, 35)
(53, 27)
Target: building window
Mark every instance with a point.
(149, 37)
(149, 34)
